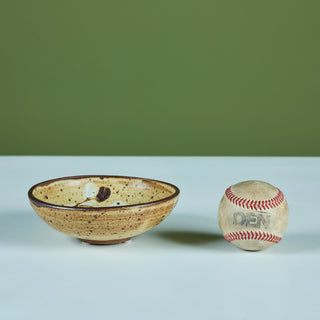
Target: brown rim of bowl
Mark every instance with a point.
(40, 203)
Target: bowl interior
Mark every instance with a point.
(101, 191)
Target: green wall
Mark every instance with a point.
(160, 77)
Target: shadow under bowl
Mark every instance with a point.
(103, 209)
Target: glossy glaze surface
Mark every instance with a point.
(103, 209)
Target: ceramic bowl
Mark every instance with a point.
(103, 209)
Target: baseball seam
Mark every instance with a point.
(252, 235)
(255, 204)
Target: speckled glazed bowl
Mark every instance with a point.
(103, 209)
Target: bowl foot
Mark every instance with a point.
(105, 241)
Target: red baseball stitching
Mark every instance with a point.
(255, 204)
(252, 235)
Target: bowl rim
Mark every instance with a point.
(40, 203)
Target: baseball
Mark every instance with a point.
(253, 215)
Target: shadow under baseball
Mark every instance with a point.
(191, 230)
(189, 238)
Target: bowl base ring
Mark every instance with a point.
(115, 241)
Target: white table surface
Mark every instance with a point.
(183, 268)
